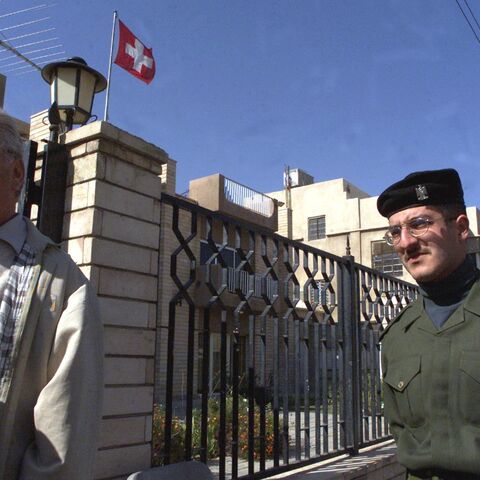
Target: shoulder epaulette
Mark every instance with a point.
(395, 320)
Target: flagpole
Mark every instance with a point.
(105, 115)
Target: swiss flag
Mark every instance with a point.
(133, 56)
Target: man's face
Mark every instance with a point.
(437, 253)
(11, 181)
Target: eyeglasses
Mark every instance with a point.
(416, 228)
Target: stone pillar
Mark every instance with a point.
(111, 229)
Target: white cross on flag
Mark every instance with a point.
(133, 56)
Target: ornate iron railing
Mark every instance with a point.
(298, 373)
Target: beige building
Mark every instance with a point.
(324, 214)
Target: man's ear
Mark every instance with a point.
(18, 175)
(462, 225)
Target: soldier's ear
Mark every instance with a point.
(462, 225)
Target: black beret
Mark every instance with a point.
(432, 187)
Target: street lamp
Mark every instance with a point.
(73, 84)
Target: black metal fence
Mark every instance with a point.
(268, 352)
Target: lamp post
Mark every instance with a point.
(73, 85)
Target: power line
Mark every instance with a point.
(471, 13)
(468, 21)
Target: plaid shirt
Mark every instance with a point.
(11, 303)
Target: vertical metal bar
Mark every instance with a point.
(325, 382)
(286, 383)
(170, 354)
(169, 384)
(262, 390)
(374, 407)
(317, 362)
(333, 353)
(223, 395)
(205, 386)
(366, 382)
(190, 370)
(378, 386)
(276, 393)
(298, 381)
(235, 375)
(349, 309)
(251, 394)
(306, 388)
(341, 389)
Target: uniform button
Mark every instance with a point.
(400, 384)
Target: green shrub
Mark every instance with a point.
(177, 453)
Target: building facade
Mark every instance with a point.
(325, 214)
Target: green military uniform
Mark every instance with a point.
(432, 390)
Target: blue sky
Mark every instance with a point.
(361, 89)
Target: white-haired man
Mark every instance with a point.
(51, 344)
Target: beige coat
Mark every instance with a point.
(50, 409)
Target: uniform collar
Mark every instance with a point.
(414, 313)
(472, 302)
(14, 232)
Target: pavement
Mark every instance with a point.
(378, 462)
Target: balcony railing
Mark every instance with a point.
(247, 198)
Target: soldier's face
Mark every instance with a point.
(11, 181)
(438, 252)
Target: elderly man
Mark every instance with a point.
(431, 351)
(51, 346)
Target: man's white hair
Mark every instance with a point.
(11, 146)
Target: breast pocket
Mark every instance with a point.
(404, 377)
(469, 386)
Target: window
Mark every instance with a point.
(385, 259)
(316, 227)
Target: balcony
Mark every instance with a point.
(220, 194)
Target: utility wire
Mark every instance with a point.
(468, 21)
(471, 13)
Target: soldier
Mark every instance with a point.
(430, 352)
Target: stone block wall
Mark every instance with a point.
(112, 230)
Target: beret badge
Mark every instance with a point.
(421, 191)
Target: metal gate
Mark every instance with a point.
(267, 350)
